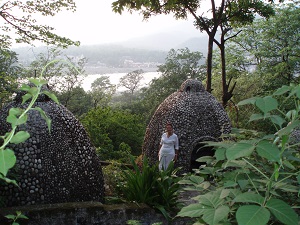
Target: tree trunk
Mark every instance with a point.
(227, 94)
(209, 63)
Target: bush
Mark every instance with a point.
(254, 181)
(150, 186)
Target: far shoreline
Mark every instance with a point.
(90, 70)
(115, 77)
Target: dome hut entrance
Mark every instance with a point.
(200, 150)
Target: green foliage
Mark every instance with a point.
(254, 181)
(132, 80)
(136, 222)
(112, 174)
(62, 75)
(102, 91)
(108, 128)
(76, 100)
(271, 47)
(121, 155)
(16, 217)
(64, 78)
(180, 65)
(151, 186)
(9, 72)
(19, 17)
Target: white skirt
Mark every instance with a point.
(164, 160)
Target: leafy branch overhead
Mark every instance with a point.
(221, 17)
(20, 17)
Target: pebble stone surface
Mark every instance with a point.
(196, 116)
(56, 167)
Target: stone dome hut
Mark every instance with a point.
(52, 167)
(196, 116)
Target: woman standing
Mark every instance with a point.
(168, 148)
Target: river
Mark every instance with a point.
(115, 78)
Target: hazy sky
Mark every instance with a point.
(94, 22)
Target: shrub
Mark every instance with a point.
(150, 186)
(254, 181)
(112, 178)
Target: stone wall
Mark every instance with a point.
(88, 213)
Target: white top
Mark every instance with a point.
(169, 144)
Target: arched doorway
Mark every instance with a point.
(200, 150)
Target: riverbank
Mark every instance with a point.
(115, 79)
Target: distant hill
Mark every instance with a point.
(180, 36)
(146, 52)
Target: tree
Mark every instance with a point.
(180, 65)
(102, 91)
(76, 100)
(228, 13)
(132, 81)
(264, 56)
(9, 72)
(63, 72)
(18, 16)
(236, 14)
(111, 128)
(272, 48)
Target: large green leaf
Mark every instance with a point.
(214, 216)
(256, 116)
(277, 120)
(19, 137)
(282, 211)
(249, 197)
(196, 179)
(284, 89)
(266, 104)
(213, 199)
(52, 96)
(192, 210)
(220, 153)
(268, 150)
(252, 215)
(239, 150)
(295, 91)
(26, 97)
(12, 117)
(235, 163)
(7, 160)
(248, 101)
(44, 116)
(206, 159)
(289, 128)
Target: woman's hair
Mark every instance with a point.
(169, 124)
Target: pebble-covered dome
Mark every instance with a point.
(60, 166)
(196, 116)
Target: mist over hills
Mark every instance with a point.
(144, 52)
(168, 40)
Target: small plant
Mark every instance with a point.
(254, 181)
(112, 174)
(150, 186)
(136, 222)
(16, 217)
